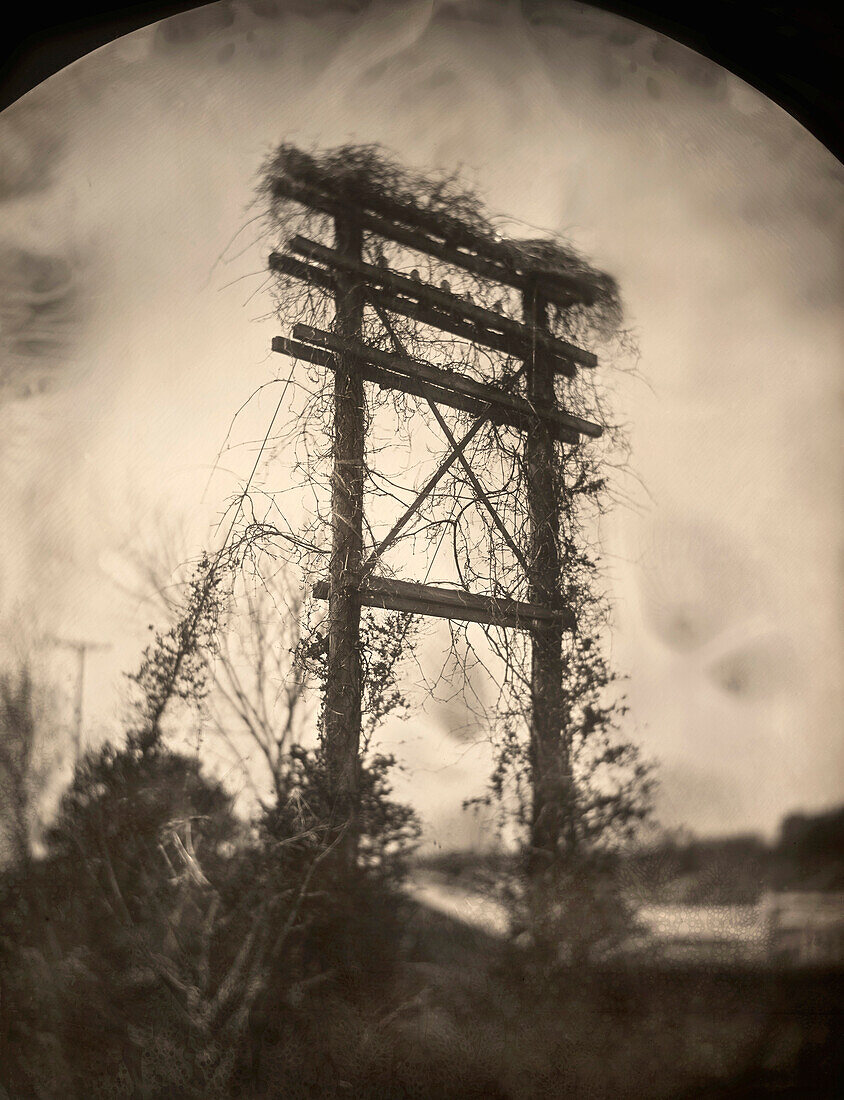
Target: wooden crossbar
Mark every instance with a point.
(313, 186)
(284, 346)
(450, 603)
(444, 301)
(467, 330)
(447, 379)
(396, 303)
(283, 264)
(560, 289)
(388, 380)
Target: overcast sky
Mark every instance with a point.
(133, 324)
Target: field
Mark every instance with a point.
(649, 1028)
(702, 1016)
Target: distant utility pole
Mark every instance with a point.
(81, 649)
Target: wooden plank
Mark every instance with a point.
(496, 341)
(448, 603)
(418, 388)
(447, 322)
(443, 301)
(295, 350)
(387, 380)
(459, 597)
(310, 273)
(438, 376)
(562, 290)
(453, 233)
(447, 379)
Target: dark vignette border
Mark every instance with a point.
(793, 53)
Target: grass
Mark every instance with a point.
(465, 1018)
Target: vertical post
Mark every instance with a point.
(549, 751)
(343, 683)
(81, 649)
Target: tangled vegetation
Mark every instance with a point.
(454, 537)
(159, 935)
(164, 946)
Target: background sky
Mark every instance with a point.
(133, 323)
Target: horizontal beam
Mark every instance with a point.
(283, 264)
(295, 350)
(562, 290)
(475, 334)
(444, 301)
(446, 322)
(450, 603)
(451, 230)
(416, 387)
(380, 377)
(447, 379)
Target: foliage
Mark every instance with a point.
(608, 787)
(175, 665)
(262, 695)
(158, 931)
(385, 640)
(365, 177)
(17, 750)
(578, 907)
(809, 852)
(738, 870)
(140, 951)
(108, 938)
(28, 759)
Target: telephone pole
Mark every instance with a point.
(82, 649)
(549, 751)
(340, 273)
(343, 686)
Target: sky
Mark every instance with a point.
(135, 319)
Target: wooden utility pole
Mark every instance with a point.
(351, 583)
(81, 649)
(343, 686)
(548, 751)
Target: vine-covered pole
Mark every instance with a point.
(549, 752)
(342, 715)
(361, 192)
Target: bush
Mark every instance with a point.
(160, 942)
(103, 934)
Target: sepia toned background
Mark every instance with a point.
(133, 323)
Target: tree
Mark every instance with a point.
(172, 924)
(268, 664)
(262, 695)
(28, 758)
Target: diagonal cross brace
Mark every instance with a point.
(427, 489)
(457, 452)
(482, 496)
